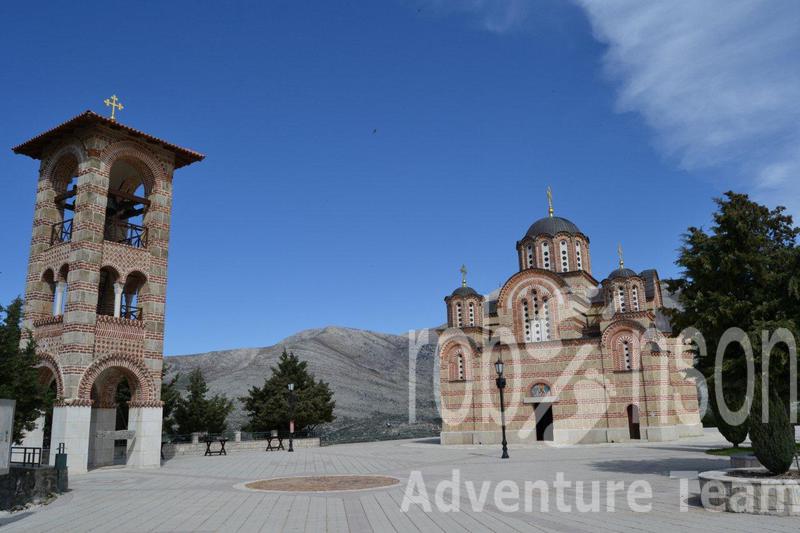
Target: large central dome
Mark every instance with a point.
(551, 226)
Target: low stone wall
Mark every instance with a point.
(24, 485)
(172, 450)
(720, 491)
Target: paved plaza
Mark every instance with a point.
(198, 493)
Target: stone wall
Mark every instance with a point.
(24, 485)
(171, 450)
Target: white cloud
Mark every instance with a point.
(718, 81)
(497, 16)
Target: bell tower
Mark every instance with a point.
(96, 285)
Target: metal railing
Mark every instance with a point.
(126, 233)
(130, 312)
(61, 232)
(26, 456)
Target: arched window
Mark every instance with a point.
(635, 298)
(540, 390)
(537, 320)
(127, 205)
(471, 314)
(460, 363)
(578, 256)
(526, 317)
(61, 292)
(564, 256)
(546, 255)
(131, 307)
(529, 250)
(626, 355)
(459, 315)
(109, 293)
(621, 298)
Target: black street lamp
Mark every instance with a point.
(291, 416)
(501, 384)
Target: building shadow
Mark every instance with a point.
(661, 466)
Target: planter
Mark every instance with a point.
(721, 491)
(745, 460)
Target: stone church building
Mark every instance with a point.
(96, 286)
(584, 361)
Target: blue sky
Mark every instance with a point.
(303, 215)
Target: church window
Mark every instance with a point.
(626, 355)
(460, 362)
(471, 314)
(529, 250)
(546, 256)
(621, 299)
(578, 256)
(459, 316)
(635, 298)
(527, 320)
(564, 259)
(540, 390)
(537, 322)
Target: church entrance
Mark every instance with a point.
(544, 421)
(633, 422)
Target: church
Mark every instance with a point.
(584, 361)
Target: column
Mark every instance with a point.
(117, 299)
(71, 426)
(101, 449)
(58, 303)
(144, 449)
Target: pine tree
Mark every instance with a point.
(196, 413)
(19, 378)
(744, 273)
(268, 406)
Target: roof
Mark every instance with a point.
(551, 226)
(36, 146)
(622, 273)
(464, 292)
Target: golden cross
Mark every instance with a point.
(619, 252)
(463, 271)
(549, 201)
(114, 104)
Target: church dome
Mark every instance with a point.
(622, 273)
(464, 292)
(552, 225)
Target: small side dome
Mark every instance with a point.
(551, 226)
(464, 292)
(623, 273)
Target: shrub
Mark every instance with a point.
(733, 434)
(773, 439)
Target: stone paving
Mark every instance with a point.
(206, 493)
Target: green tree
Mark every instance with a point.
(268, 406)
(170, 395)
(19, 378)
(773, 438)
(744, 273)
(196, 413)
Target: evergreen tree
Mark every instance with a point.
(744, 273)
(19, 379)
(268, 406)
(773, 439)
(170, 395)
(196, 413)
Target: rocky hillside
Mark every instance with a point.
(367, 371)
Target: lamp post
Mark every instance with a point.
(501, 384)
(291, 416)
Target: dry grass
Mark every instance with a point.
(322, 483)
